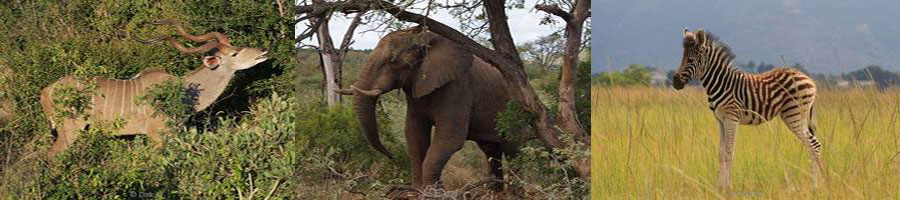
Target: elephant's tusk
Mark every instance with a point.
(343, 91)
(371, 93)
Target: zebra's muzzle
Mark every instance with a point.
(678, 82)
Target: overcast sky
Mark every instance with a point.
(524, 25)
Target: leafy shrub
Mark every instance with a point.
(538, 171)
(251, 158)
(73, 100)
(632, 75)
(254, 157)
(511, 121)
(332, 147)
(99, 165)
(542, 173)
(171, 99)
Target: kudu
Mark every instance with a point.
(115, 99)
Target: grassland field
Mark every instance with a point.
(658, 143)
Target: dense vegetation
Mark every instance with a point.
(234, 148)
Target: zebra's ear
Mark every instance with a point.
(689, 38)
(701, 37)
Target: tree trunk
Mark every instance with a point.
(331, 63)
(567, 117)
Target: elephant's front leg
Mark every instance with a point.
(418, 138)
(449, 137)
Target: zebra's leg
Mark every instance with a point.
(816, 148)
(802, 125)
(815, 151)
(727, 131)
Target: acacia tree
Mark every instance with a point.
(504, 56)
(544, 51)
(331, 59)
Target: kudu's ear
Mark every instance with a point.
(211, 62)
(443, 61)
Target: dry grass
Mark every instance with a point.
(659, 143)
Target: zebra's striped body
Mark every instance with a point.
(737, 98)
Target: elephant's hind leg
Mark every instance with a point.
(494, 153)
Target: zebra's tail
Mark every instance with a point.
(812, 119)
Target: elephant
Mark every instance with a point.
(447, 88)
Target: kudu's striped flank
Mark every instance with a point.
(737, 98)
(115, 99)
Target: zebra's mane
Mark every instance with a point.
(714, 42)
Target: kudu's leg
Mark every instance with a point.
(154, 126)
(66, 135)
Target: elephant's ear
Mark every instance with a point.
(444, 61)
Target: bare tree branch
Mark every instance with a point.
(555, 10)
(309, 46)
(437, 27)
(280, 7)
(348, 36)
(309, 31)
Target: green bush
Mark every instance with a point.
(511, 121)
(542, 173)
(333, 147)
(73, 100)
(632, 75)
(100, 166)
(253, 157)
(169, 98)
(537, 171)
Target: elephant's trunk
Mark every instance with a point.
(365, 112)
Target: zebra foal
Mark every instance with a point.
(737, 98)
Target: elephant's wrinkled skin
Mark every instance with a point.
(446, 88)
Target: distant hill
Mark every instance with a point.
(827, 36)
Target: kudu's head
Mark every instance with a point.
(225, 55)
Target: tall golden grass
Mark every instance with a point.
(662, 143)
